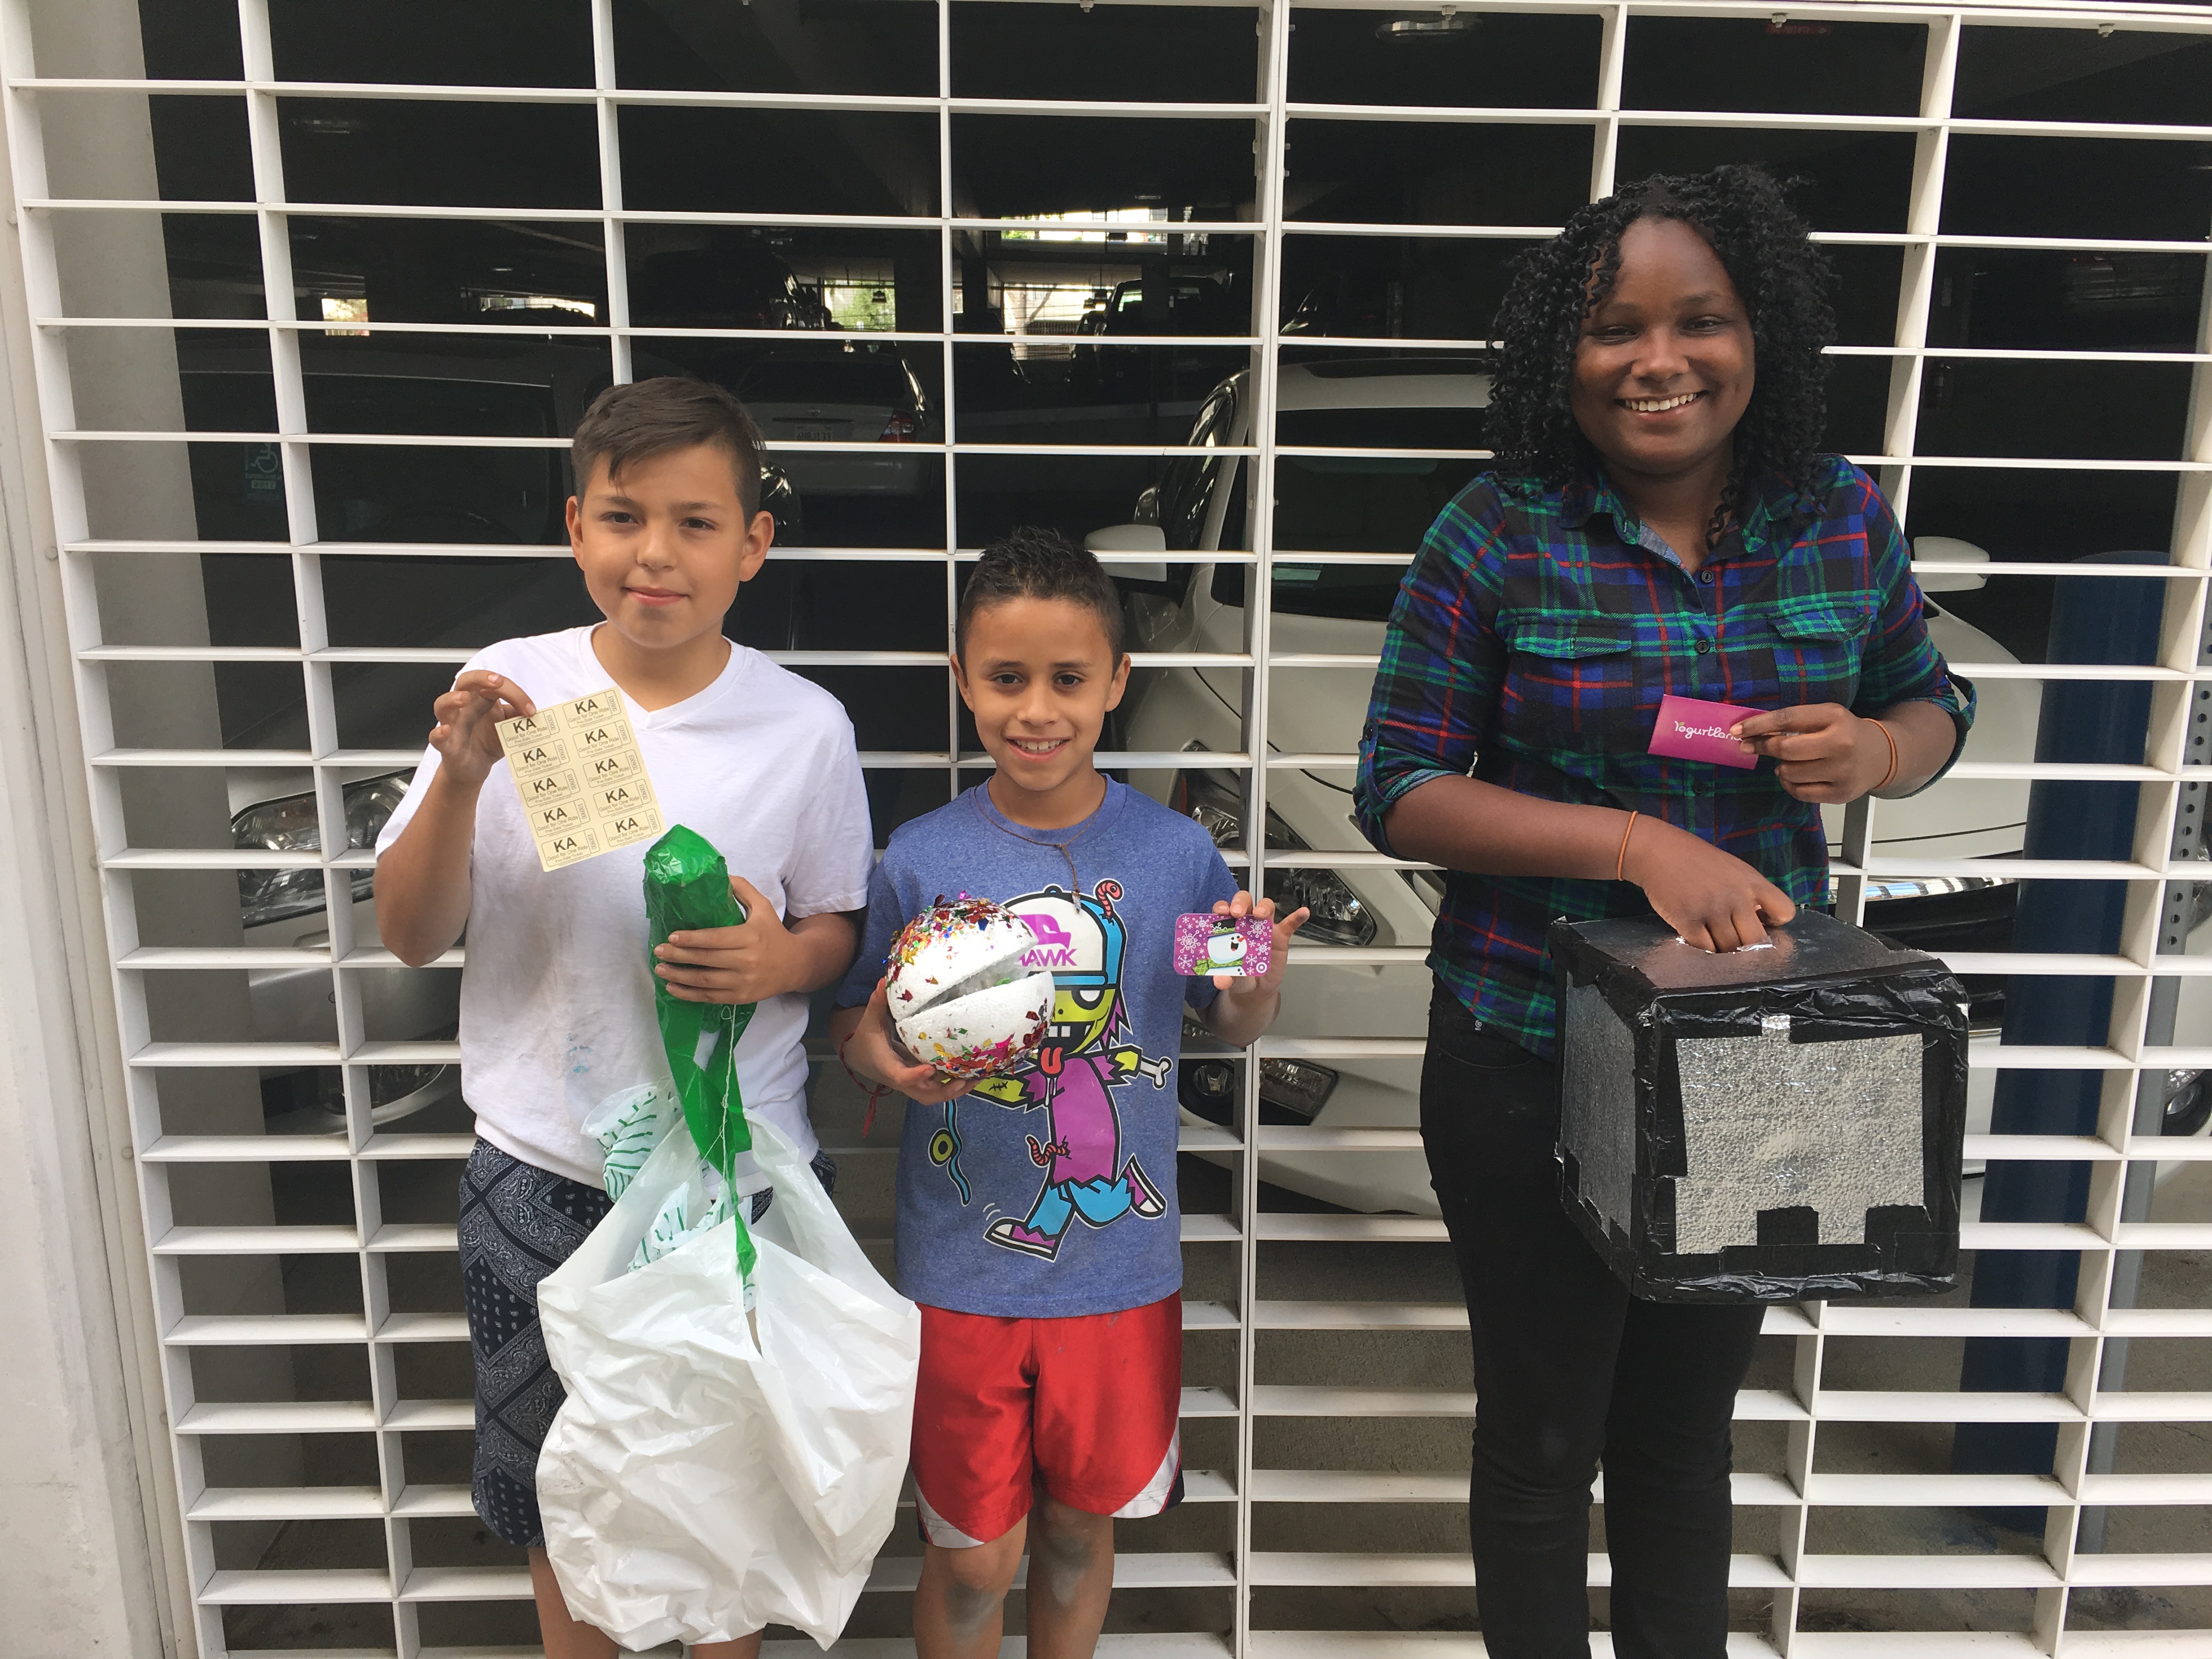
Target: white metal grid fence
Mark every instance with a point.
(167, 1037)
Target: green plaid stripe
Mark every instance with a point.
(1532, 639)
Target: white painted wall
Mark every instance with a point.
(88, 1562)
(79, 1506)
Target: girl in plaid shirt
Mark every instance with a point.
(1659, 522)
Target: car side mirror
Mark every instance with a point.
(781, 503)
(1132, 539)
(1949, 550)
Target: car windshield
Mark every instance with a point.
(1356, 504)
(378, 492)
(395, 402)
(1194, 307)
(854, 380)
(1457, 427)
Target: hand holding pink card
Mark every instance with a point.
(1690, 729)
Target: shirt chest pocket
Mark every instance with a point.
(1817, 648)
(1568, 676)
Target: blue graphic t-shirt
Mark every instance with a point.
(1052, 1193)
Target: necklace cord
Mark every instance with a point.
(998, 821)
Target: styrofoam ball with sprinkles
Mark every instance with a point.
(965, 995)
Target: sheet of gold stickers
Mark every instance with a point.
(582, 777)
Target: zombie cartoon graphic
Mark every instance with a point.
(1072, 1077)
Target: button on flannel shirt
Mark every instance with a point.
(1529, 647)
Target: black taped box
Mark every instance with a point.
(1777, 1124)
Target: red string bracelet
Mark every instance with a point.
(874, 1092)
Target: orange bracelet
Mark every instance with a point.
(1621, 864)
(1889, 777)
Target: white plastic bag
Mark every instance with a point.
(629, 1126)
(699, 1482)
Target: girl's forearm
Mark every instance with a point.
(1925, 736)
(1463, 824)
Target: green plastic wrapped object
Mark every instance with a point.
(687, 885)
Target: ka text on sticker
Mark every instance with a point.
(582, 777)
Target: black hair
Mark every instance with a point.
(1779, 273)
(1030, 563)
(640, 419)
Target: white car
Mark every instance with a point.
(863, 394)
(1351, 504)
(365, 494)
(288, 908)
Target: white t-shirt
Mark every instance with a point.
(556, 1000)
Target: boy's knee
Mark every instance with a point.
(1058, 1527)
(1065, 1546)
(977, 1579)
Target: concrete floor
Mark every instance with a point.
(1436, 1446)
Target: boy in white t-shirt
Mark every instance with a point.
(557, 1001)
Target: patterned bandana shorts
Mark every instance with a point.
(518, 1223)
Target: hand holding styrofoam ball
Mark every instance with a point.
(961, 997)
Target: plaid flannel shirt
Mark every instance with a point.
(1529, 647)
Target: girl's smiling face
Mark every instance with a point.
(1663, 371)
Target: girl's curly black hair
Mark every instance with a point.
(1782, 277)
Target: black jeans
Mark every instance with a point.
(1570, 1370)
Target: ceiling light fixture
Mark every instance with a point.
(1445, 24)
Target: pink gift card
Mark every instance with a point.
(1689, 729)
(1241, 945)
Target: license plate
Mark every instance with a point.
(814, 432)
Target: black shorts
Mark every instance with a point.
(518, 1223)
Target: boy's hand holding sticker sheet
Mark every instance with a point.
(581, 777)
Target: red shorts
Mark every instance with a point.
(1084, 1408)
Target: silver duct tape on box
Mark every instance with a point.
(1766, 1125)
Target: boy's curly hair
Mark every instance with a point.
(1030, 563)
(1781, 274)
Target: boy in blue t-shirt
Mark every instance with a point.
(1051, 1354)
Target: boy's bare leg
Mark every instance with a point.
(1071, 1579)
(960, 1608)
(564, 1635)
(568, 1638)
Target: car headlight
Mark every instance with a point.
(1215, 800)
(2185, 1108)
(1290, 1091)
(290, 825)
(1338, 917)
(1296, 1086)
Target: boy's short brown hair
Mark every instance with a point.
(644, 418)
(1030, 563)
